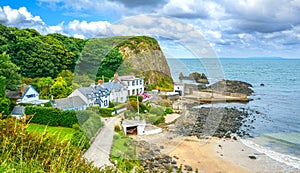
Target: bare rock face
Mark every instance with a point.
(232, 86)
(144, 55)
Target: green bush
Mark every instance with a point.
(111, 105)
(154, 119)
(169, 110)
(51, 116)
(117, 128)
(106, 112)
(133, 98)
(158, 110)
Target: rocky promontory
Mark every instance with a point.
(197, 77)
(232, 86)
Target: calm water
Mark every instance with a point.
(277, 127)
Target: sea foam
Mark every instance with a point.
(282, 158)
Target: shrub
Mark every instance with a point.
(92, 122)
(106, 112)
(169, 110)
(117, 128)
(133, 98)
(111, 105)
(158, 110)
(51, 116)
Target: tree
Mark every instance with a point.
(110, 63)
(10, 71)
(60, 89)
(44, 85)
(4, 102)
(67, 75)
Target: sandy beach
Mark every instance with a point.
(220, 155)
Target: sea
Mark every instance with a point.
(276, 99)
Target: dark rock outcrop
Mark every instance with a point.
(232, 86)
(218, 122)
(197, 77)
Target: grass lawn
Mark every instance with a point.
(60, 133)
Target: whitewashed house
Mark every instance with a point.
(134, 85)
(29, 95)
(179, 88)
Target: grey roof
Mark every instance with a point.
(69, 102)
(18, 110)
(86, 90)
(13, 94)
(117, 86)
(94, 91)
(126, 78)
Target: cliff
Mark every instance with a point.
(144, 56)
(140, 55)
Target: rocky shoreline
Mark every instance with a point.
(216, 122)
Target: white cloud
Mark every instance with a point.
(88, 29)
(22, 18)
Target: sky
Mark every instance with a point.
(232, 28)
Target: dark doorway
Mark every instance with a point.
(131, 130)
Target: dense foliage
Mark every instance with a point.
(23, 151)
(38, 55)
(10, 71)
(51, 116)
(4, 102)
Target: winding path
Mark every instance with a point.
(99, 150)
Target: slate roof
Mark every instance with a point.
(85, 91)
(69, 102)
(116, 86)
(126, 78)
(18, 110)
(13, 94)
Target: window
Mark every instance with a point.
(141, 82)
(105, 103)
(137, 82)
(129, 92)
(30, 95)
(133, 92)
(137, 91)
(132, 83)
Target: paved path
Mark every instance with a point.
(99, 150)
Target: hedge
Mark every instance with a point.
(51, 116)
(106, 112)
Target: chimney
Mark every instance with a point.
(22, 91)
(116, 77)
(100, 82)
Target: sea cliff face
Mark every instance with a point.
(140, 55)
(143, 55)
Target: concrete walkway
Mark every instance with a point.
(99, 150)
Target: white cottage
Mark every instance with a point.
(133, 84)
(29, 95)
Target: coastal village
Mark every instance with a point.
(55, 119)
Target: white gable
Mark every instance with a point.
(30, 95)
